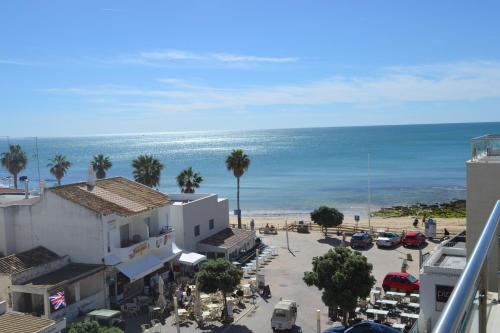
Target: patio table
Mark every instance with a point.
(387, 302)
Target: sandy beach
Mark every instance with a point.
(454, 225)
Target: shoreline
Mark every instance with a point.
(454, 225)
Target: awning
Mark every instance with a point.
(191, 258)
(140, 267)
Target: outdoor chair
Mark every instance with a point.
(145, 327)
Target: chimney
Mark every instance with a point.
(90, 178)
(26, 188)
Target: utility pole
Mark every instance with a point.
(37, 160)
(369, 194)
(286, 231)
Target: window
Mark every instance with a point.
(211, 224)
(196, 230)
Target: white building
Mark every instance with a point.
(201, 223)
(116, 222)
(126, 226)
(28, 279)
(439, 274)
(483, 190)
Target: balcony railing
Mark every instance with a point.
(486, 146)
(470, 293)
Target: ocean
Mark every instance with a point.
(292, 170)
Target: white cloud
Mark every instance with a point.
(227, 57)
(4, 61)
(429, 83)
(167, 57)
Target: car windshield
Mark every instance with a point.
(279, 313)
(386, 235)
(358, 236)
(412, 279)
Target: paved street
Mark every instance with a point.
(284, 275)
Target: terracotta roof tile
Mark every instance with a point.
(15, 322)
(22, 261)
(116, 195)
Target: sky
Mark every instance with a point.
(70, 68)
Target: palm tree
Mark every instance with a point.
(188, 181)
(101, 164)
(14, 161)
(238, 162)
(58, 167)
(147, 170)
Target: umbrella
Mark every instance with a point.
(162, 302)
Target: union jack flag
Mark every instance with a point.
(57, 300)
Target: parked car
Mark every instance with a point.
(401, 282)
(284, 315)
(361, 239)
(414, 238)
(388, 239)
(363, 327)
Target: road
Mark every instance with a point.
(284, 275)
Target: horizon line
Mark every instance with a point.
(8, 137)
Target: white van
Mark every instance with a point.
(284, 315)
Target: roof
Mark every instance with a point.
(104, 313)
(68, 274)
(227, 238)
(15, 322)
(284, 304)
(398, 273)
(16, 263)
(116, 195)
(4, 190)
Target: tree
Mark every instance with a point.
(14, 161)
(238, 162)
(147, 170)
(218, 275)
(59, 165)
(91, 326)
(188, 181)
(101, 164)
(327, 217)
(344, 276)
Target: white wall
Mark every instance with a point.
(428, 313)
(184, 217)
(63, 227)
(483, 190)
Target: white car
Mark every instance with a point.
(388, 239)
(284, 315)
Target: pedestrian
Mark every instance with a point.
(343, 239)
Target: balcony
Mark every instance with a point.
(131, 249)
(485, 148)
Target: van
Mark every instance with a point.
(284, 315)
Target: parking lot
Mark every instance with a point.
(284, 275)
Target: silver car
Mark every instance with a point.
(388, 239)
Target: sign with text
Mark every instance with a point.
(442, 295)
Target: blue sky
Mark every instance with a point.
(99, 67)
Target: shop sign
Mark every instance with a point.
(138, 250)
(443, 293)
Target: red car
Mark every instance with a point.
(415, 238)
(400, 282)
